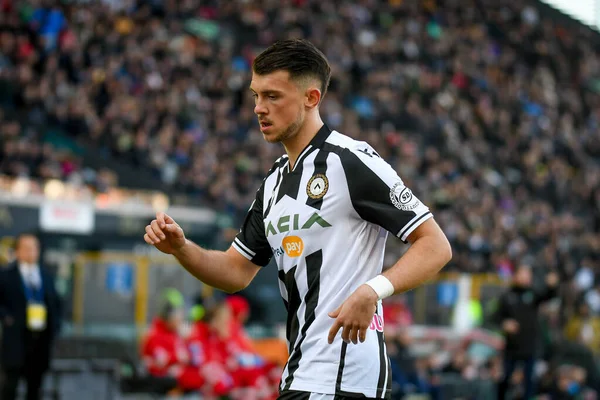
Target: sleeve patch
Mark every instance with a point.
(402, 197)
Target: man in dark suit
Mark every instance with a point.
(30, 317)
(518, 314)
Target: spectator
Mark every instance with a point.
(518, 315)
(570, 384)
(584, 328)
(208, 343)
(255, 370)
(164, 350)
(30, 314)
(227, 368)
(240, 311)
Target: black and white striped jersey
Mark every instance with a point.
(326, 222)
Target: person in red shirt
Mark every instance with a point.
(219, 349)
(251, 369)
(240, 311)
(208, 347)
(164, 352)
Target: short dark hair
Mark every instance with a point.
(299, 57)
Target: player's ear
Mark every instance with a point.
(312, 97)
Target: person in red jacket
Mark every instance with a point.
(240, 311)
(250, 368)
(164, 351)
(208, 347)
(219, 353)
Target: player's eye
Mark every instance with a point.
(272, 97)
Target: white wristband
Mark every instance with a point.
(382, 286)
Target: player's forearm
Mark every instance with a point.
(423, 260)
(212, 267)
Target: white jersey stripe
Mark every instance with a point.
(243, 252)
(418, 220)
(243, 246)
(299, 159)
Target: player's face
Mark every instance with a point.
(28, 250)
(279, 105)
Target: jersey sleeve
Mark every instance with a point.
(251, 241)
(378, 194)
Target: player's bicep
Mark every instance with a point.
(428, 228)
(246, 267)
(380, 196)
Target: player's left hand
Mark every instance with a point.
(354, 315)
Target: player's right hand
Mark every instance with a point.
(165, 234)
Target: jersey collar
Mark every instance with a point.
(320, 137)
(316, 142)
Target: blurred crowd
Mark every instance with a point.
(471, 368)
(491, 363)
(207, 351)
(487, 109)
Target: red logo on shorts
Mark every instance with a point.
(377, 323)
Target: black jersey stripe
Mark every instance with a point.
(388, 386)
(281, 276)
(314, 262)
(382, 365)
(277, 182)
(294, 395)
(293, 303)
(345, 395)
(290, 184)
(320, 163)
(338, 381)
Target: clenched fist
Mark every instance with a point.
(165, 234)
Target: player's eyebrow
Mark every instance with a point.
(267, 92)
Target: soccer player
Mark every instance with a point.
(323, 212)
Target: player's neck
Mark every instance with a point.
(294, 146)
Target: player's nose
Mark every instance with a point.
(260, 109)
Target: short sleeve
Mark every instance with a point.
(379, 195)
(251, 241)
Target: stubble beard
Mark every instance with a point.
(289, 132)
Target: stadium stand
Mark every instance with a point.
(490, 106)
(494, 107)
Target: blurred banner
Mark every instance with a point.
(67, 217)
(78, 218)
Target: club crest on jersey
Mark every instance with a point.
(402, 197)
(317, 186)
